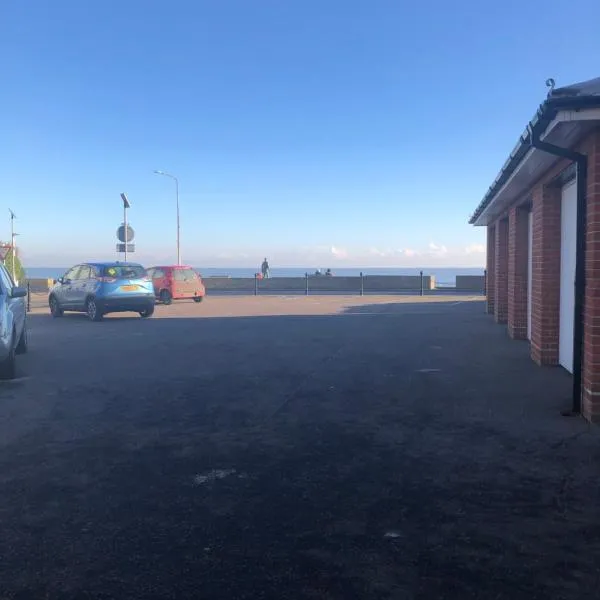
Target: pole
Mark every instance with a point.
(125, 226)
(421, 282)
(12, 243)
(177, 207)
(177, 203)
(306, 282)
(256, 284)
(362, 284)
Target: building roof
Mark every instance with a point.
(585, 94)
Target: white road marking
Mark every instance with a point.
(428, 370)
(388, 314)
(213, 476)
(15, 380)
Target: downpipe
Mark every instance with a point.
(581, 164)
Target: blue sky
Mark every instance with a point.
(316, 132)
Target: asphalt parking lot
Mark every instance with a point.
(288, 447)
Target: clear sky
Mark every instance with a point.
(315, 132)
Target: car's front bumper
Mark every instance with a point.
(124, 303)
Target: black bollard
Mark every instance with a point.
(256, 284)
(421, 282)
(362, 284)
(306, 280)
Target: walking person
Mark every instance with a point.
(264, 269)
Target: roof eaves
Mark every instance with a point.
(540, 121)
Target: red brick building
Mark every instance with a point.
(542, 215)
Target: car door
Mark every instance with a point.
(158, 280)
(65, 292)
(185, 283)
(15, 306)
(79, 287)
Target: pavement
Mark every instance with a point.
(288, 448)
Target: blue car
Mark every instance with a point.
(101, 288)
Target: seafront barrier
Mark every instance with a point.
(368, 284)
(316, 284)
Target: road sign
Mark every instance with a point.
(121, 234)
(121, 247)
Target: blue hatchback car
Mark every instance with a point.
(101, 288)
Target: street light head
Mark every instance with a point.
(166, 174)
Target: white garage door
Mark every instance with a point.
(529, 270)
(568, 237)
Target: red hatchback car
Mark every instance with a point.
(176, 283)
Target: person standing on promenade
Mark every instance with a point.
(264, 269)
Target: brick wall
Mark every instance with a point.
(591, 350)
(517, 272)
(490, 267)
(501, 272)
(545, 292)
(507, 273)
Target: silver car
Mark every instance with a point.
(13, 324)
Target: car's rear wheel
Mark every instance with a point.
(23, 344)
(145, 314)
(198, 298)
(55, 309)
(8, 367)
(93, 311)
(165, 297)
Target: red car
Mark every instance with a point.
(176, 283)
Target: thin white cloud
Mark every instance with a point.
(475, 249)
(392, 252)
(338, 252)
(437, 250)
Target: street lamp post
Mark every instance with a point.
(13, 243)
(177, 205)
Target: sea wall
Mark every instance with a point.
(40, 285)
(470, 283)
(371, 283)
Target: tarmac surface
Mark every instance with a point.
(288, 448)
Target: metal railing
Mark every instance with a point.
(38, 297)
(361, 290)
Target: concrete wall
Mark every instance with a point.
(40, 285)
(470, 283)
(372, 283)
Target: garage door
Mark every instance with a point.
(568, 237)
(529, 270)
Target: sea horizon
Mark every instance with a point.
(444, 276)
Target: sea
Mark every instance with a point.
(444, 277)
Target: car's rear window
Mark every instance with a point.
(124, 271)
(184, 274)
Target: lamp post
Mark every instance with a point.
(177, 205)
(13, 240)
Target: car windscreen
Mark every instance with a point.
(124, 271)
